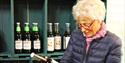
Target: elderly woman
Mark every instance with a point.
(91, 42)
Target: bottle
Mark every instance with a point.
(36, 44)
(43, 59)
(66, 36)
(18, 39)
(57, 38)
(50, 39)
(26, 40)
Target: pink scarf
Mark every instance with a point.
(100, 33)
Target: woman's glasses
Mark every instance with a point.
(86, 25)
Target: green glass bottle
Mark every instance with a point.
(26, 40)
(18, 39)
(36, 44)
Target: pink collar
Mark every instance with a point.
(99, 34)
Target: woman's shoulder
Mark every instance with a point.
(112, 38)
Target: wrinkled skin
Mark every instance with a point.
(88, 25)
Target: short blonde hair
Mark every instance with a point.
(92, 8)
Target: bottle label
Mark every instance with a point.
(27, 44)
(57, 41)
(67, 41)
(64, 42)
(37, 44)
(50, 44)
(18, 44)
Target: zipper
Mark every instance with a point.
(86, 53)
(84, 60)
(84, 57)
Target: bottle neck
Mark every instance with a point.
(50, 29)
(18, 32)
(68, 28)
(56, 29)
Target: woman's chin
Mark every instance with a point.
(89, 34)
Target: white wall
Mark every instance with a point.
(116, 20)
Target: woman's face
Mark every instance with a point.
(88, 25)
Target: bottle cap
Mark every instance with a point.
(18, 23)
(56, 23)
(67, 23)
(49, 23)
(32, 54)
(35, 23)
(27, 23)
